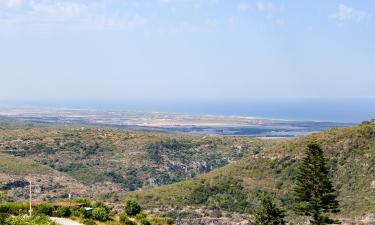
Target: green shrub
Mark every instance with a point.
(132, 208)
(141, 215)
(144, 221)
(45, 209)
(124, 220)
(14, 208)
(79, 212)
(3, 217)
(62, 211)
(268, 212)
(26, 220)
(88, 222)
(101, 214)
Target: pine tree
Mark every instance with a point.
(268, 213)
(313, 191)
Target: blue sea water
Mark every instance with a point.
(332, 110)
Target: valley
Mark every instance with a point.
(91, 161)
(194, 179)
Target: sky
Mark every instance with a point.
(186, 49)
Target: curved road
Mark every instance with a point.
(64, 221)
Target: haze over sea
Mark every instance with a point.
(332, 110)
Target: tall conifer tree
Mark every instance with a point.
(313, 191)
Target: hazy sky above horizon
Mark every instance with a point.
(186, 49)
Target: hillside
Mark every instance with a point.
(95, 161)
(351, 159)
(15, 171)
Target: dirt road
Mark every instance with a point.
(64, 221)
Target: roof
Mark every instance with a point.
(60, 203)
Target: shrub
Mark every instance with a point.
(3, 217)
(62, 211)
(142, 218)
(45, 209)
(144, 221)
(26, 220)
(124, 220)
(268, 213)
(141, 215)
(88, 222)
(100, 214)
(14, 208)
(77, 211)
(132, 208)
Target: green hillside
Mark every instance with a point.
(351, 159)
(112, 161)
(17, 166)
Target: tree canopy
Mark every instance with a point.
(313, 191)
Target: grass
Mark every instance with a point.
(18, 166)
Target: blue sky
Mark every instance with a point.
(186, 49)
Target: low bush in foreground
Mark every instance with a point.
(26, 220)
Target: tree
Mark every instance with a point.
(268, 213)
(313, 191)
(132, 208)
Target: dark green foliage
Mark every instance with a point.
(313, 190)
(268, 213)
(3, 217)
(115, 177)
(227, 194)
(154, 154)
(131, 181)
(132, 208)
(62, 211)
(100, 214)
(14, 208)
(92, 150)
(77, 211)
(174, 144)
(45, 209)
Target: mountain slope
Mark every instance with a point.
(351, 159)
(105, 160)
(15, 173)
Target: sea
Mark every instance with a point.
(324, 110)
